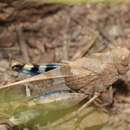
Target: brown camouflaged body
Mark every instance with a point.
(99, 71)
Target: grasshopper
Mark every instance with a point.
(88, 75)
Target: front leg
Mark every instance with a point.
(107, 97)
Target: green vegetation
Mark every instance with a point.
(17, 109)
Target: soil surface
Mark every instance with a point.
(33, 33)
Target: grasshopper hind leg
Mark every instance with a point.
(108, 97)
(94, 99)
(105, 99)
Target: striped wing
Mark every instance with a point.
(53, 79)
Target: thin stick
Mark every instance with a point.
(89, 102)
(34, 78)
(84, 50)
(23, 44)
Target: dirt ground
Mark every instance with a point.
(42, 34)
(33, 33)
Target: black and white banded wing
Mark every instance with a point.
(64, 76)
(51, 77)
(32, 69)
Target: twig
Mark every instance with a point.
(23, 44)
(84, 50)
